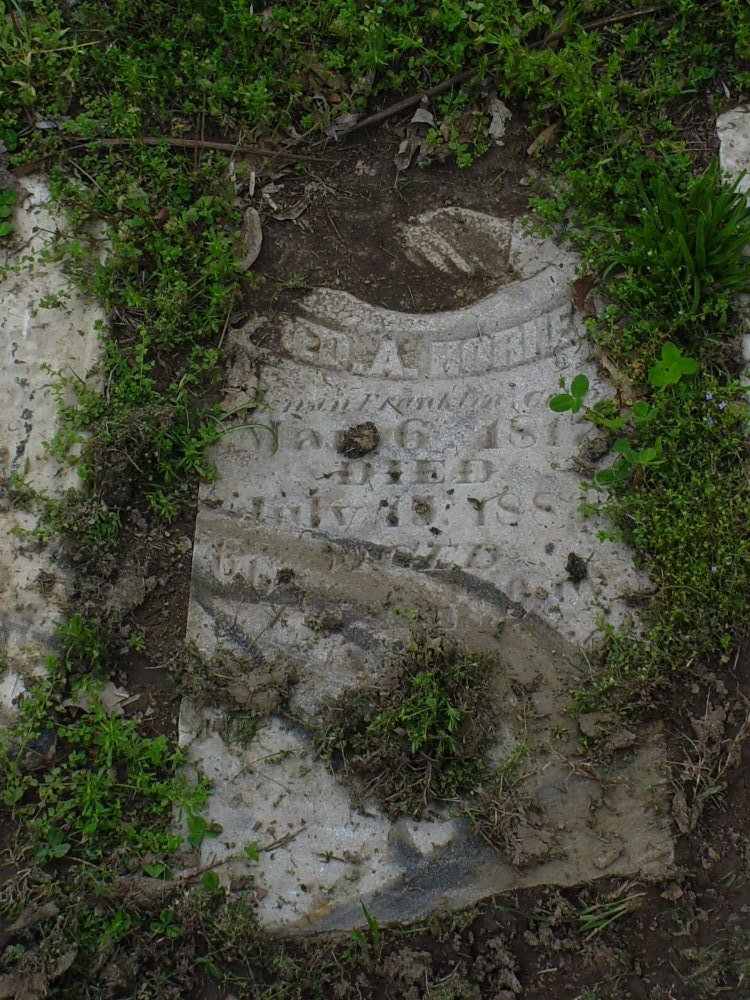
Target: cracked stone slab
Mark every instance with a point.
(45, 324)
(415, 469)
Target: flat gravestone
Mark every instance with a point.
(415, 469)
(45, 326)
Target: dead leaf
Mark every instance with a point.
(546, 138)
(252, 237)
(301, 205)
(625, 391)
(63, 963)
(364, 169)
(138, 890)
(621, 739)
(82, 700)
(341, 125)
(423, 117)
(682, 815)
(500, 116)
(34, 915)
(595, 725)
(240, 397)
(580, 290)
(404, 155)
(290, 214)
(414, 143)
(21, 986)
(114, 699)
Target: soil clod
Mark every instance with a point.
(359, 440)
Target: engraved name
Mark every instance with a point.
(403, 358)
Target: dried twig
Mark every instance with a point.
(627, 15)
(224, 147)
(409, 102)
(282, 841)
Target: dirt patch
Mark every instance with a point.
(348, 234)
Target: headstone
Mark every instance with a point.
(413, 467)
(45, 326)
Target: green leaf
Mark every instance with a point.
(6, 211)
(623, 447)
(670, 352)
(158, 870)
(5, 229)
(211, 967)
(688, 366)
(641, 410)
(611, 423)
(562, 402)
(700, 243)
(252, 851)
(605, 477)
(200, 829)
(579, 386)
(210, 881)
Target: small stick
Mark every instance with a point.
(282, 841)
(224, 147)
(153, 140)
(409, 102)
(628, 15)
(440, 88)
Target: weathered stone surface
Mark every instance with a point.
(43, 323)
(471, 469)
(463, 508)
(733, 128)
(577, 825)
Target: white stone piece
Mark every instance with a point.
(733, 128)
(45, 325)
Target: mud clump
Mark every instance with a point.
(576, 567)
(358, 440)
(233, 681)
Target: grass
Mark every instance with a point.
(81, 781)
(90, 796)
(422, 740)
